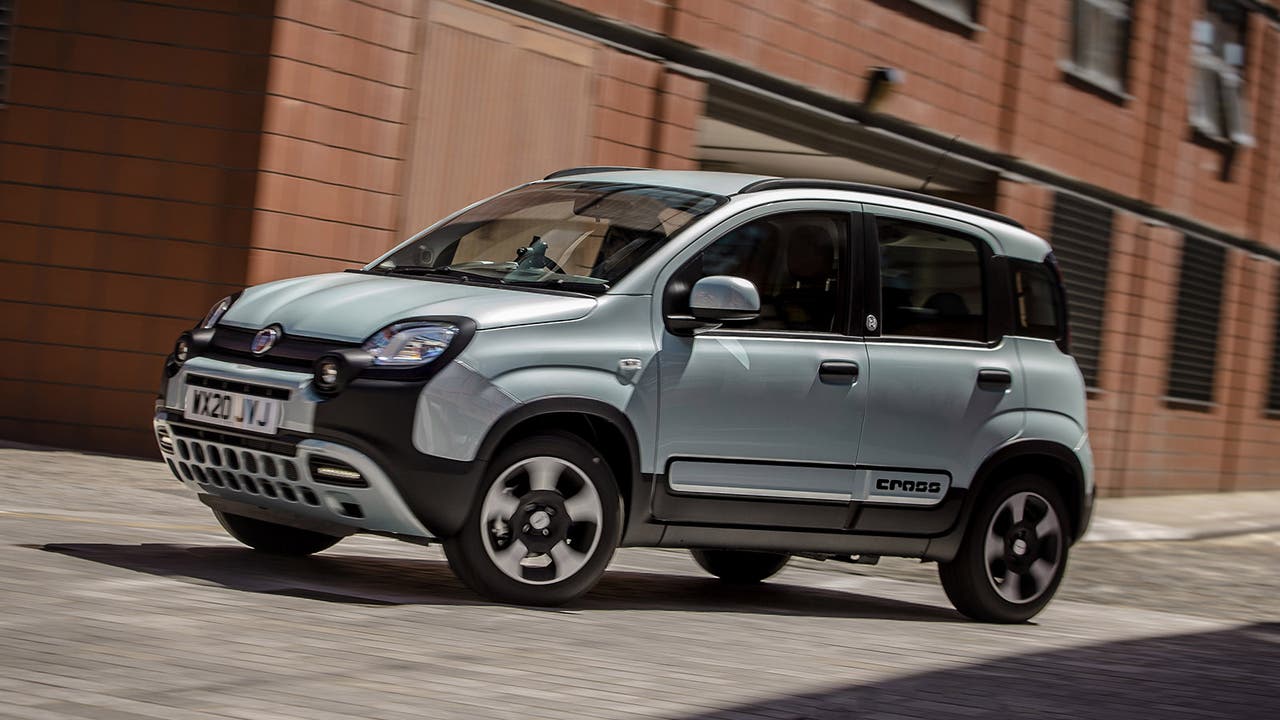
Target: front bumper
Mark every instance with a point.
(280, 476)
(368, 427)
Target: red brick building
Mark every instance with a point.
(156, 155)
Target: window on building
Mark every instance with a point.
(1217, 103)
(1196, 321)
(1273, 397)
(1100, 42)
(962, 10)
(1081, 237)
(794, 260)
(6, 45)
(930, 282)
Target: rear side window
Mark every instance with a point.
(930, 282)
(1037, 308)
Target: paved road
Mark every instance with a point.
(1228, 577)
(121, 599)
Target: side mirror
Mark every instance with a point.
(718, 298)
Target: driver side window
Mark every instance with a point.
(793, 259)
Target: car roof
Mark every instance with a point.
(715, 183)
(1014, 238)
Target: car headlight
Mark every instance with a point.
(410, 344)
(216, 312)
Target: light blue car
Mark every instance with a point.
(749, 367)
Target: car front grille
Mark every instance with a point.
(253, 473)
(266, 445)
(291, 351)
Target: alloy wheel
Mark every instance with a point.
(541, 520)
(1023, 547)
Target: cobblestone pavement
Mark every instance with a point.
(122, 599)
(1228, 577)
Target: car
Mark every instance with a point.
(748, 367)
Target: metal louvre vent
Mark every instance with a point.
(6, 47)
(1195, 332)
(1081, 239)
(1273, 397)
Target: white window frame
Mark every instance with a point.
(1216, 106)
(1086, 48)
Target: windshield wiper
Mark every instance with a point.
(442, 270)
(593, 288)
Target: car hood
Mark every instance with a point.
(352, 306)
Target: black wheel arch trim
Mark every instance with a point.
(1079, 500)
(633, 489)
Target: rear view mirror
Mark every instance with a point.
(718, 298)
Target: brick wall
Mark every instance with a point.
(645, 115)
(157, 155)
(1255, 432)
(501, 101)
(955, 78)
(333, 135)
(128, 152)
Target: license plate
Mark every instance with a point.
(234, 410)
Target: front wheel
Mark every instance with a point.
(546, 526)
(273, 538)
(740, 567)
(1013, 554)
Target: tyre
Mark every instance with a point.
(1013, 554)
(272, 538)
(740, 566)
(546, 526)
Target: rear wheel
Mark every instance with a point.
(546, 527)
(1013, 555)
(272, 538)
(740, 566)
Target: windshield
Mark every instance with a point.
(581, 236)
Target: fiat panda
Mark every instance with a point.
(747, 367)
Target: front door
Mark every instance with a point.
(946, 388)
(759, 421)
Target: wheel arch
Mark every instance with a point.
(599, 424)
(1053, 460)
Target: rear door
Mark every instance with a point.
(944, 386)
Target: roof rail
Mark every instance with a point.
(798, 184)
(570, 172)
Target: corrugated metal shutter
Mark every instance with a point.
(1081, 239)
(6, 45)
(1195, 332)
(1273, 397)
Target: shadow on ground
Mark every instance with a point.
(1225, 674)
(365, 580)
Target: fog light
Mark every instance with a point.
(327, 373)
(337, 473)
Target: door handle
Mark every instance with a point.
(994, 378)
(838, 372)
